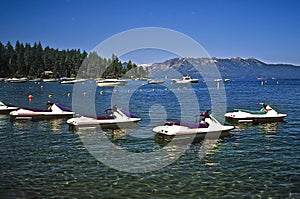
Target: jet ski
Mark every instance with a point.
(55, 110)
(6, 108)
(264, 115)
(209, 124)
(115, 118)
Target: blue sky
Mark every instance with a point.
(268, 30)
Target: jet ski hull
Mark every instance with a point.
(255, 120)
(215, 130)
(37, 117)
(118, 119)
(54, 111)
(85, 122)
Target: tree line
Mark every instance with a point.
(95, 66)
(31, 61)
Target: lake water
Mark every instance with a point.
(44, 159)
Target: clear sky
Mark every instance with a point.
(268, 30)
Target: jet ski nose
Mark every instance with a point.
(71, 121)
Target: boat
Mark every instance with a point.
(141, 79)
(35, 80)
(208, 125)
(111, 82)
(72, 81)
(115, 118)
(6, 108)
(66, 78)
(151, 81)
(185, 80)
(264, 115)
(16, 80)
(218, 80)
(55, 110)
(50, 80)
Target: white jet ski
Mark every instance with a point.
(55, 110)
(6, 108)
(264, 115)
(209, 124)
(115, 118)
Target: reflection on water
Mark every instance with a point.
(55, 124)
(266, 127)
(117, 134)
(270, 127)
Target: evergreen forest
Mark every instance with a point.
(31, 61)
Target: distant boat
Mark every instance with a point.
(151, 81)
(141, 79)
(218, 80)
(185, 80)
(73, 81)
(111, 82)
(227, 80)
(50, 80)
(260, 78)
(66, 79)
(16, 80)
(35, 80)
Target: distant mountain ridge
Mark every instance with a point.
(231, 67)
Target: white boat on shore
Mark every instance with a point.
(111, 82)
(55, 110)
(115, 118)
(265, 115)
(185, 80)
(17, 80)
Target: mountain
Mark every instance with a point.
(229, 68)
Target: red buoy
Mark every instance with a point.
(30, 97)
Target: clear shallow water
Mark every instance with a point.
(44, 159)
